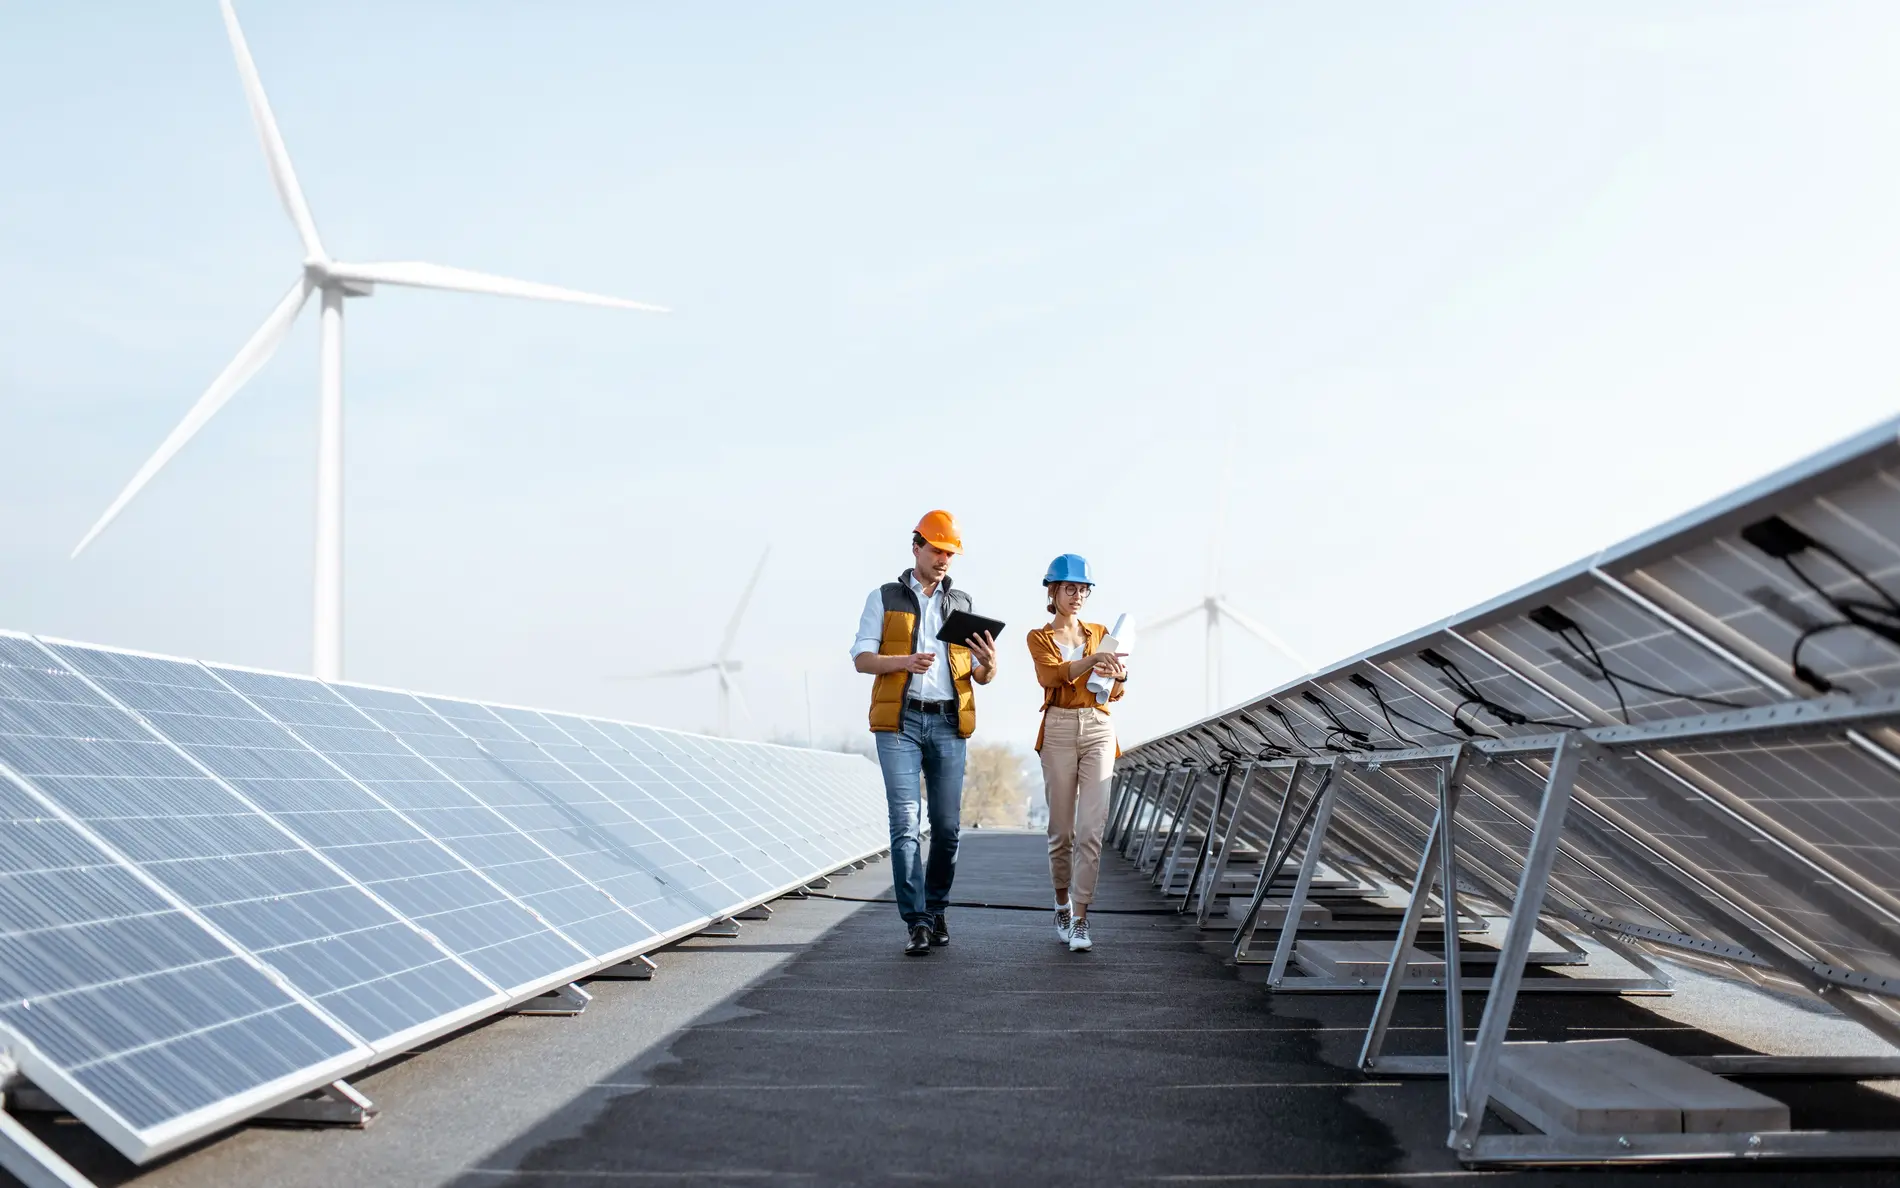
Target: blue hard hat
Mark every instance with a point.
(1069, 567)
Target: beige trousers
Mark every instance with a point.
(1078, 762)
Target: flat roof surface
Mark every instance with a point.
(810, 1051)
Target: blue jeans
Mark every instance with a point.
(924, 752)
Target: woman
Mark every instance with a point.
(1076, 742)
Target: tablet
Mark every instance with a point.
(961, 625)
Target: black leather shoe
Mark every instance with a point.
(919, 945)
(940, 929)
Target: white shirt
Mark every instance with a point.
(934, 685)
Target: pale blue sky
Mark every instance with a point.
(1461, 291)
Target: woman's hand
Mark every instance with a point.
(1109, 664)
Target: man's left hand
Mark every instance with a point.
(983, 647)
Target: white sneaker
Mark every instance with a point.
(1065, 924)
(1079, 941)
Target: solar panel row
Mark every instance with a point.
(1729, 678)
(220, 888)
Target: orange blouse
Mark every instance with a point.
(1059, 689)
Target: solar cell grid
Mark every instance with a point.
(1758, 604)
(585, 827)
(125, 999)
(1629, 890)
(369, 838)
(758, 796)
(821, 796)
(1635, 648)
(1473, 680)
(676, 863)
(687, 761)
(697, 821)
(1585, 874)
(1406, 803)
(259, 885)
(856, 805)
(588, 856)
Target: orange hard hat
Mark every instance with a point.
(940, 528)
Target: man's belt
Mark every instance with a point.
(928, 707)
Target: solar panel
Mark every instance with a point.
(113, 994)
(298, 912)
(840, 816)
(701, 822)
(751, 799)
(598, 837)
(221, 888)
(692, 882)
(251, 740)
(584, 856)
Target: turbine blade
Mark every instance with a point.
(1273, 641)
(664, 673)
(745, 599)
(1178, 616)
(276, 155)
(254, 354)
(417, 275)
(745, 709)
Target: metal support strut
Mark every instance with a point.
(570, 999)
(1477, 1077)
(1195, 885)
(1279, 849)
(633, 969)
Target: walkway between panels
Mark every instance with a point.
(1005, 1059)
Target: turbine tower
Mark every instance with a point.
(1216, 607)
(332, 281)
(722, 662)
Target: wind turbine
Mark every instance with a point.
(334, 281)
(1215, 606)
(722, 662)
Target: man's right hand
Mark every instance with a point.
(919, 661)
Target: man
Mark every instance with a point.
(922, 709)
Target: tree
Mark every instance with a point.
(995, 792)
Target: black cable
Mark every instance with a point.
(1379, 697)
(1463, 686)
(1563, 626)
(1360, 739)
(1006, 907)
(1388, 712)
(1808, 676)
(1292, 730)
(1784, 542)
